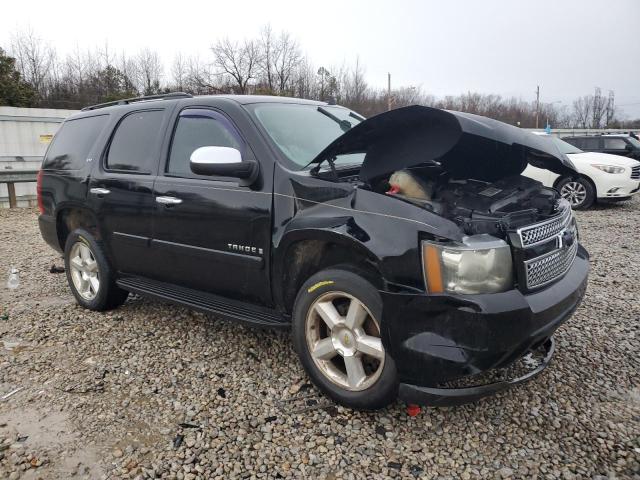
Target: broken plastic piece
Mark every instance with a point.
(413, 410)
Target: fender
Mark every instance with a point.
(384, 230)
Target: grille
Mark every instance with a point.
(635, 172)
(532, 235)
(547, 268)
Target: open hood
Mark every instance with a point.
(465, 145)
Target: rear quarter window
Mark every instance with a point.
(132, 147)
(72, 143)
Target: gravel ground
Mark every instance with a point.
(151, 390)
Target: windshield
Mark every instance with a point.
(565, 147)
(301, 132)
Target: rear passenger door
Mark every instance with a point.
(121, 190)
(615, 146)
(214, 235)
(591, 144)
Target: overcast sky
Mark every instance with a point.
(568, 47)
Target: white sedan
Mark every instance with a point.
(601, 176)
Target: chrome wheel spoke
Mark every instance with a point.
(77, 263)
(91, 266)
(355, 370)
(355, 315)
(324, 349)
(371, 346)
(85, 272)
(94, 284)
(329, 314)
(85, 253)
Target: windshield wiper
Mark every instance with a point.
(345, 125)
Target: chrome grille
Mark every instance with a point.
(541, 232)
(547, 268)
(635, 172)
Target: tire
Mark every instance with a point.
(372, 385)
(85, 263)
(579, 191)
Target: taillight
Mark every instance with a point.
(39, 191)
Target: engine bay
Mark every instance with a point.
(476, 206)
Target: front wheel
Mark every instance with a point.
(337, 334)
(579, 192)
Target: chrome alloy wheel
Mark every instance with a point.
(343, 339)
(574, 192)
(84, 271)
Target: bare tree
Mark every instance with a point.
(240, 62)
(582, 111)
(148, 72)
(179, 72)
(599, 109)
(34, 59)
(267, 44)
(286, 58)
(355, 86)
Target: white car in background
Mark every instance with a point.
(601, 176)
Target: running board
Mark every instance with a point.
(206, 302)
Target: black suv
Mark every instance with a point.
(615, 144)
(405, 252)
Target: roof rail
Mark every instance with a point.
(126, 101)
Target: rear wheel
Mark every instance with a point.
(89, 274)
(579, 192)
(337, 335)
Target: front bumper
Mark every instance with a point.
(612, 186)
(439, 338)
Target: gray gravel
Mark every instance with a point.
(155, 391)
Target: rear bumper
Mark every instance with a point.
(47, 224)
(439, 338)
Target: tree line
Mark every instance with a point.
(33, 73)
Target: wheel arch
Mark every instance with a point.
(301, 254)
(70, 217)
(561, 178)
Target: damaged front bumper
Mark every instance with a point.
(436, 339)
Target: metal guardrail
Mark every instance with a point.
(11, 177)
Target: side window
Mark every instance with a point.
(195, 129)
(133, 145)
(576, 142)
(614, 143)
(590, 144)
(72, 143)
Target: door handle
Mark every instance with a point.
(100, 191)
(168, 200)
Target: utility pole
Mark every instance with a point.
(389, 91)
(537, 104)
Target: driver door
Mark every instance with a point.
(199, 222)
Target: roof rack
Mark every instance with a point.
(126, 101)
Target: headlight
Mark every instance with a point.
(481, 264)
(609, 168)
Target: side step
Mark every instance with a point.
(206, 302)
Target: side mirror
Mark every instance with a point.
(628, 147)
(223, 162)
